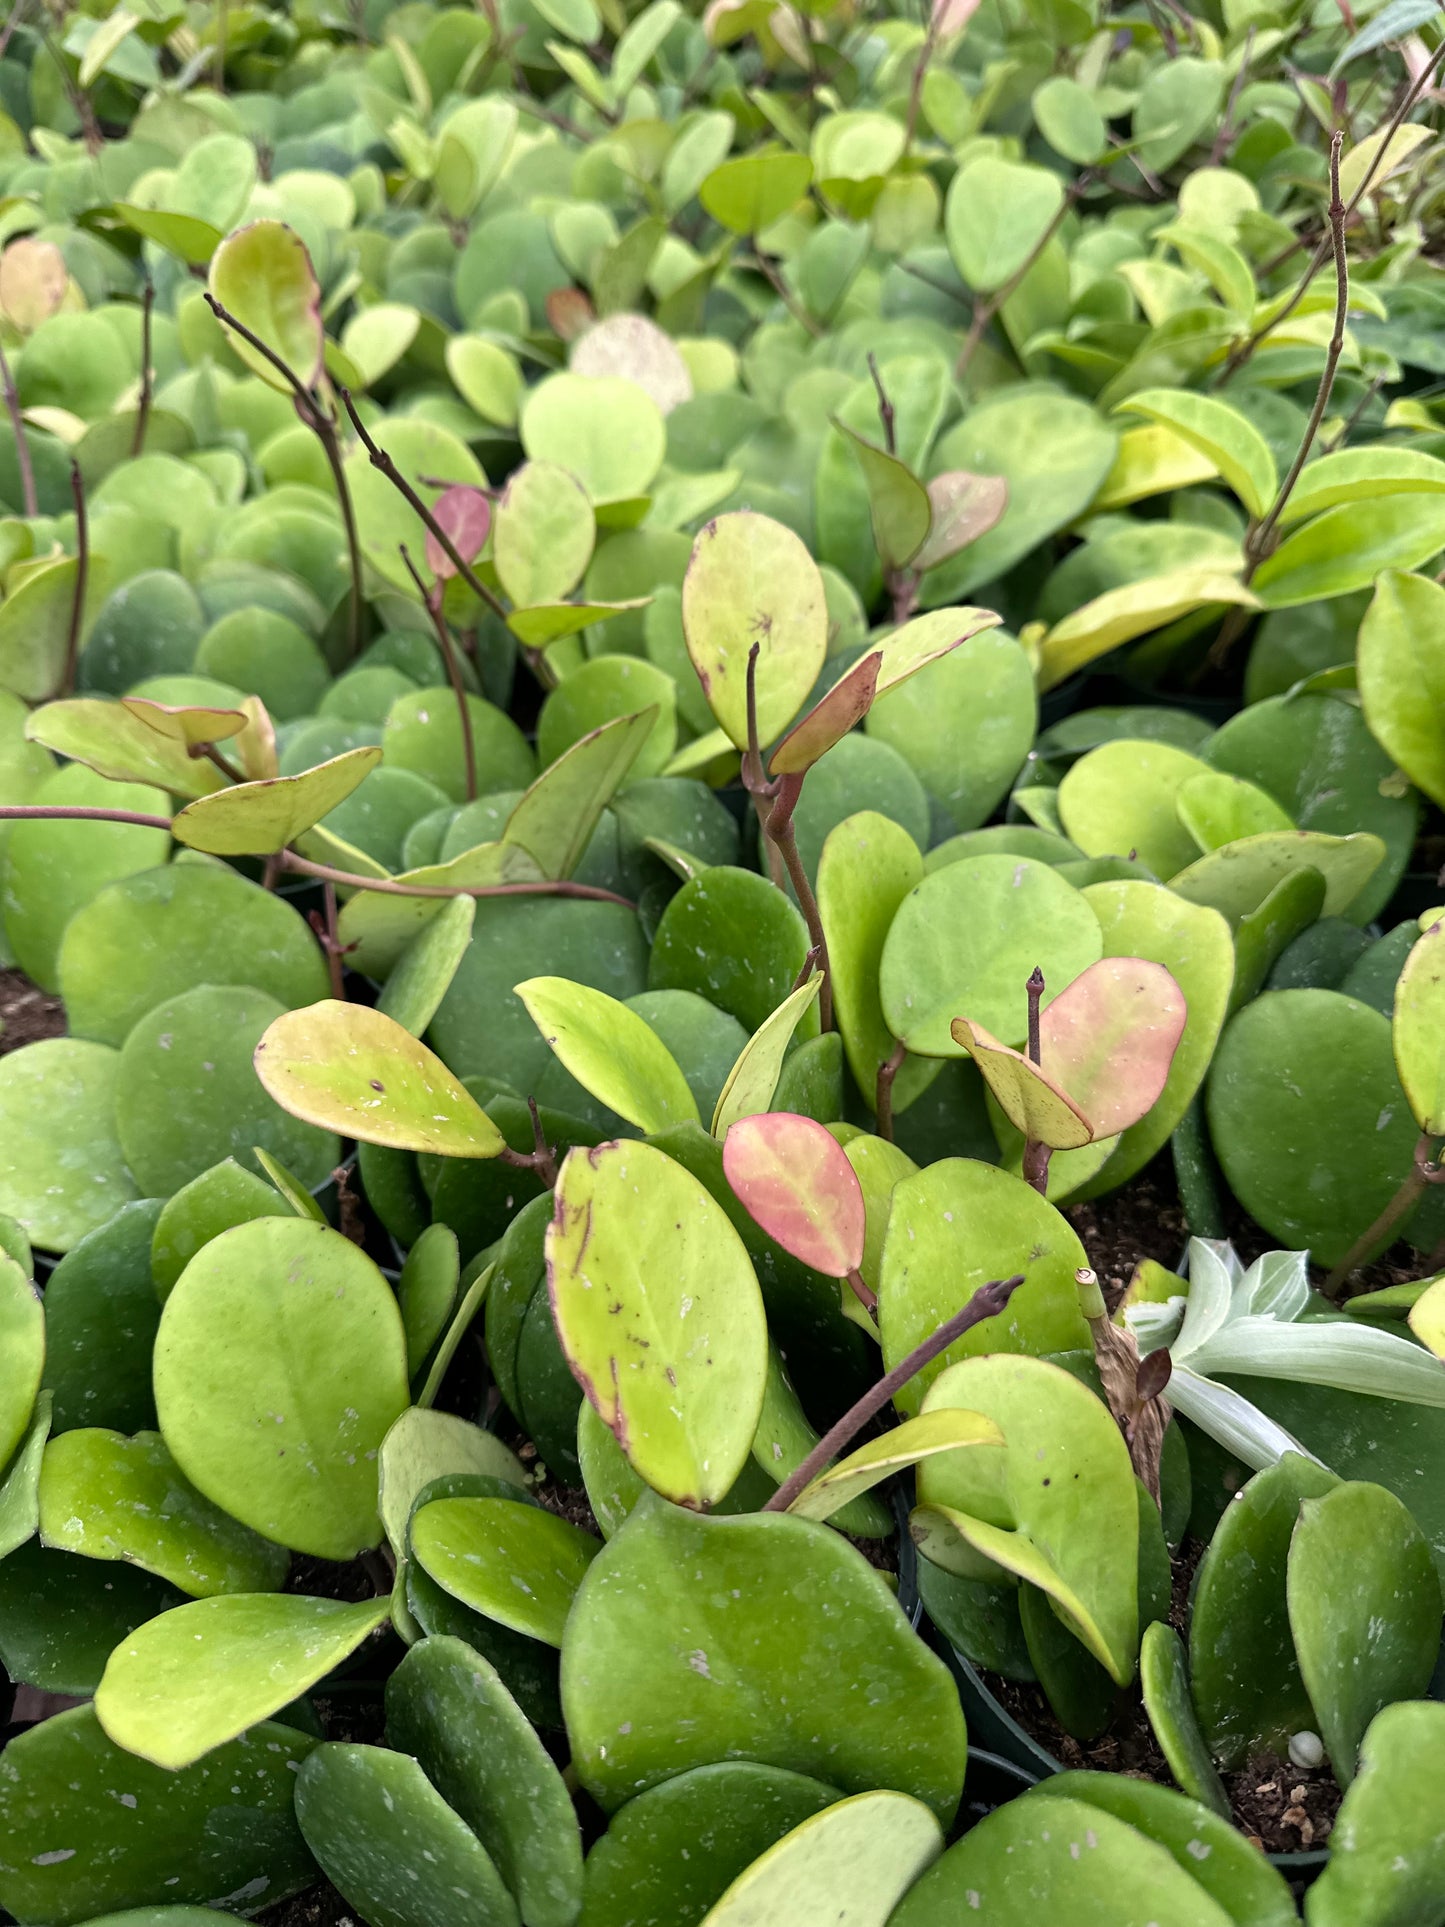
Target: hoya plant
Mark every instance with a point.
(720, 1117)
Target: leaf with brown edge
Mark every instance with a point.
(352, 1070)
(898, 657)
(660, 1317)
(465, 514)
(792, 1176)
(1109, 1039)
(1032, 1101)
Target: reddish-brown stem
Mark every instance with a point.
(883, 1091)
(388, 886)
(213, 755)
(82, 579)
(987, 1302)
(866, 1298)
(1036, 1155)
(78, 812)
(920, 74)
(147, 373)
(432, 603)
(382, 461)
(1035, 988)
(985, 310)
(541, 1159)
(787, 843)
(887, 414)
(333, 942)
(1424, 1170)
(29, 502)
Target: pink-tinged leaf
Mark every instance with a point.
(569, 313)
(952, 16)
(795, 1182)
(830, 718)
(466, 515)
(33, 282)
(1109, 1039)
(964, 508)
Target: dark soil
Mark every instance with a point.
(1143, 1220)
(1283, 1808)
(350, 1579)
(319, 1906)
(27, 1015)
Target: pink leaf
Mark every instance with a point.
(795, 1182)
(466, 515)
(1109, 1039)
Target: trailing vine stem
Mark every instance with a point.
(82, 581)
(288, 860)
(987, 1302)
(1425, 1169)
(28, 499)
(1262, 538)
(775, 799)
(1322, 252)
(432, 603)
(322, 423)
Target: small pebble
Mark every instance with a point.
(1306, 1749)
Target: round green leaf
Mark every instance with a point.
(289, 1445)
(1418, 1030)
(1308, 1119)
(857, 1859)
(53, 867)
(206, 1835)
(732, 938)
(683, 1649)
(347, 1068)
(511, 1562)
(953, 1227)
(22, 1353)
(433, 461)
(1084, 1866)
(996, 214)
(1364, 1609)
(1401, 665)
(448, 1707)
(187, 1096)
(388, 1840)
(606, 430)
(110, 1497)
(1068, 117)
(658, 1310)
(1123, 799)
(262, 274)
(612, 1051)
(966, 939)
(423, 732)
(671, 1852)
(1226, 1864)
(226, 1195)
(1386, 1861)
(150, 936)
(752, 581)
(603, 690)
(1062, 1481)
(1238, 878)
(1243, 1672)
(62, 1171)
(750, 193)
(1192, 943)
(542, 534)
(188, 1681)
(1315, 756)
(964, 723)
